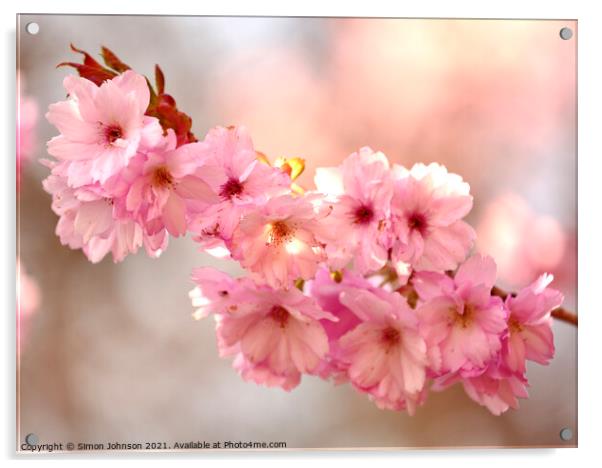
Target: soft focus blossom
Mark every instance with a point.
(278, 241)
(101, 128)
(238, 180)
(385, 355)
(27, 117)
(524, 243)
(26, 127)
(427, 210)
(28, 299)
(264, 95)
(530, 324)
(361, 191)
(459, 316)
(275, 335)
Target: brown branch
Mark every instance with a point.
(559, 313)
(565, 316)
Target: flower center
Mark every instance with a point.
(112, 133)
(162, 177)
(231, 188)
(514, 326)
(466, 318)
(417, 222)
(390, 338)
(280, 315)
(213, 231)
(279, 232)
(363, 215)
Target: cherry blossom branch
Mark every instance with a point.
(129, 173)
(559, 313)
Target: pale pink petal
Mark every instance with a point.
(260, 339)
(174, 215)
(477, 270)
(515, 359)
(539, 343)
(65, 117)
(194, 188)
(429, 284)
(136, 86)
(93, 219)
(366, 305)
(446, 247)
(62, 148)
(413, 373)
(448, 210)
(84, 92)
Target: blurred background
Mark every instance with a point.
(110, 352)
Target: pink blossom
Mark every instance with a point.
(88, 221)
(213, 228)
(167, 189)
(494, 388)
(497, 394)
(361, 190)
(275, 335)
(277, 241)
(263, 373)
(459, 317)
(427, 207)
(530, 324)
(217, 292)
(239, 181)
(385, 355)
(326, 289)
(103, 127)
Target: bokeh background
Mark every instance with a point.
(110, 352)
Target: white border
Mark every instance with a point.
(590, 235)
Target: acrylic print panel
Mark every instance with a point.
(368, 307)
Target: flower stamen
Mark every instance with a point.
(280, 315)
(162, 177)
(417, 221)
(112, 133)
(514, 326)
(231, 188)
(390, 338)
(466, 318)
(279, 232)
(363, 215)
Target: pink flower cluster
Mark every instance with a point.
(120, 181)
(366, 279)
